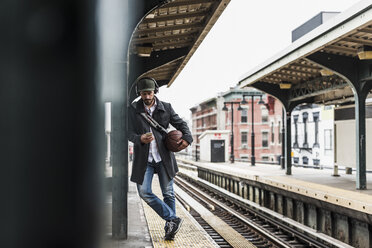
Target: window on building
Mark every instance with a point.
(328, 139)
(213, 120)
(244, 116)
(304, 120)
(305, 160)
(264, 114)
(199, 123)
(280, 132)
(316, 127)
(265, 139)
(295, 160)
(295, 120)
(272, 132)
(244, 158)
(244, 138)
(316, 162)
(265, 158)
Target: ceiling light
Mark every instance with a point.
(285, 85)
(365, 52)
(150, 16)
(326, 72)
(144, 50)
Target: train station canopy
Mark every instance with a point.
(316, 67)
(167, 36)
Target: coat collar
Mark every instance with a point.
(140, 108)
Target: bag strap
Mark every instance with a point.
(150, 120)
(153, 123)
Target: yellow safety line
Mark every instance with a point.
(190, 235)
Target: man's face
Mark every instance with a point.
(147, 97)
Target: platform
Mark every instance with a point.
(146, 228)
(315, 183)
(138, 234)
(190, 235)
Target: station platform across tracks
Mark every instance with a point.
(319, 184)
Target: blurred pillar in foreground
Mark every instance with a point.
(52, 125)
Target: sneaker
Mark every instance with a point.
(166, 226)
(172, 227)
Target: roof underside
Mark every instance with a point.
(179, 24)
(304, 75)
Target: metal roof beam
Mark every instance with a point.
(341, 49)
(176, 16)
(304, 66)
(196, 25)
(359, 41)
(163, 38)
(186, 3)
(304, 72)
(179, 44)
(287, 76)
(316, 87)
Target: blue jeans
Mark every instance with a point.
(167, 208)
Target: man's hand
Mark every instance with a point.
(182, 144)
(145, 138)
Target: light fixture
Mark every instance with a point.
(144, 50)
(240, 108)
(285, 85)
(261, 101)
(326, 72)
(150, 16)
(224, 107)
(365, 52)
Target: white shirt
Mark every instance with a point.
(153, 152)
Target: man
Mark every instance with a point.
(151, 155)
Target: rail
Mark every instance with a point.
(257, 226)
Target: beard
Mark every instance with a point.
(148, 102)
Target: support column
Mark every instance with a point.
(115, 90)
(279, 204)
(122, 17)
(253, 158)
(51, 127)
(360, 126)
(311, 217)
(288, 144)
(120, 159)
(335, 165)
(354, 72)
(282, 157)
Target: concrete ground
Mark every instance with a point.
(138, 233)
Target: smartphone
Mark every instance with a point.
(148, 134)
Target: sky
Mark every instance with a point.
(245, 35)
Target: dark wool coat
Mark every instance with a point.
(164, 115)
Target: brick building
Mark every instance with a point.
(208, 115)
(204, 117)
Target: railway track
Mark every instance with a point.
(259, 229)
